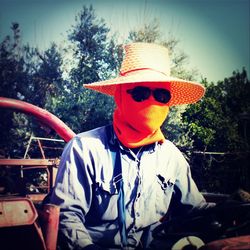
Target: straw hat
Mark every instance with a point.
(147, 62)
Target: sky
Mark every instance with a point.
(213, 33)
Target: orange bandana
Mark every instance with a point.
(138, 124)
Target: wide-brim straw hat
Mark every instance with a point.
(148, 62)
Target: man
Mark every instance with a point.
(116, 182)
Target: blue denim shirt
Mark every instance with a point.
(86, 192)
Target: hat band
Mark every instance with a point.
(139, 69)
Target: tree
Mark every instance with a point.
(215, 122)
(96, 58)
(220, 123)
(13, 78)
(29, 75)
(46, 79)
(12, 65)
(36, 77)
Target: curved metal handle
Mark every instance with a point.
(41, 114)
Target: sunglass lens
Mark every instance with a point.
(162, 95)
(140, 94)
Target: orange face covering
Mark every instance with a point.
(138, 124)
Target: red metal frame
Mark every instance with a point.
(17, 212)
(49, 165)
(19, 215)
(28, 162)
(43, 115)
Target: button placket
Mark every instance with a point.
(137, 198)
(134, 183)
(132, 239)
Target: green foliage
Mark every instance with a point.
(95, 53)
(216, 123)
(28, 75)
(149, 32)
(13, 75)
(96, 58)
(12, 65)
(219, 125)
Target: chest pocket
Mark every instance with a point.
(105, 200)
(165, 182)
(164, 191)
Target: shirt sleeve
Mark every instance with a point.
(186, 195)
(73, 193)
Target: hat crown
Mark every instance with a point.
(140, 56)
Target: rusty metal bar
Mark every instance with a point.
(49, 217)
(41, 114)
(47, 139)
(35, 167)
(16, 211)
(36, 197)
(28, 146)
(41, 148)
(27, 162)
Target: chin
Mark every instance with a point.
(147, 130)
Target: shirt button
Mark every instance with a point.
(132, 241)
(137, 214)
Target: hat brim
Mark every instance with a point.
(182, 91)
